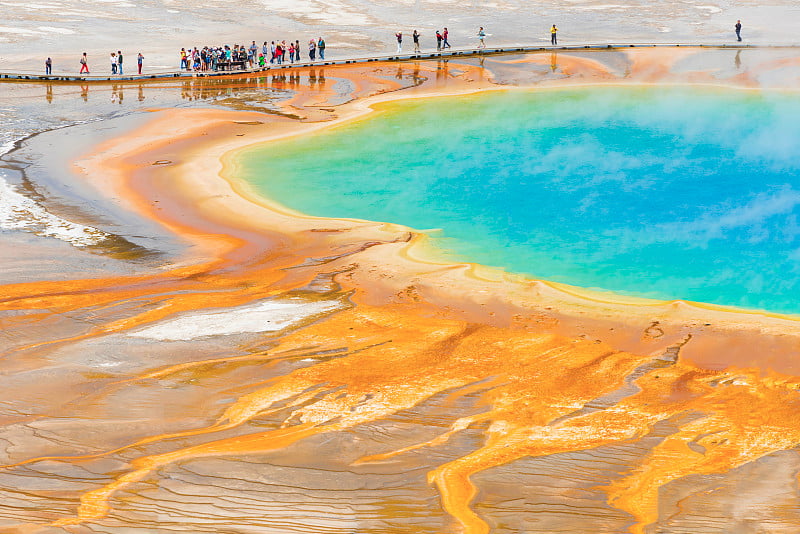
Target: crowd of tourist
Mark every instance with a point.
(220, 58)
(210, 58)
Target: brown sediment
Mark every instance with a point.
(551, 369)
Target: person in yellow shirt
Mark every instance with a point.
(553, 32)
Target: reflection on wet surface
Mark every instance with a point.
(360, 391)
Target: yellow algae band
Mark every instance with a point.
(409, 395)
(627, 188)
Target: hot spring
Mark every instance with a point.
(663, 192)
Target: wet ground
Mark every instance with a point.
(387, 396)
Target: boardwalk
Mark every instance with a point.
(465, 52)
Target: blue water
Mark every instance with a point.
(686, 193)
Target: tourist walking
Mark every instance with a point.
(738, 28)
(84, 64)
(140, 61)
(119, 62)
(321, 48)
(481, 38)
(312, 49)
(113, 63)
(415, 38)
(399, 36)
(438, 40)
(553, 35)
(184, 60)
(48, 66)
(445, 44)
(297, 49)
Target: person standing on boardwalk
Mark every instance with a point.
(48, 66)
(321, 48)
(184, 61)
(554, 35)
(738, 28)
(415, 38)
(445, 44)
(140, 61)
(84, 64)
(251, 54)
(119, 62)
(438, 40)
(113, 63)
(297, 49)
(399, 36)
(481, 38)
(312, 49)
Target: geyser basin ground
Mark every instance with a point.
(672, 193)
(385, 394)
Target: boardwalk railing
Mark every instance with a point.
(454, 53)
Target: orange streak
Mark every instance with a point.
(417, 330)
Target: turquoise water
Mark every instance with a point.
(686, 193)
